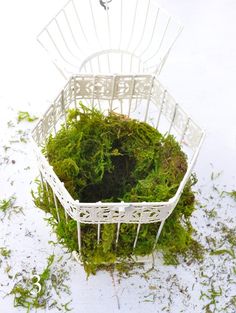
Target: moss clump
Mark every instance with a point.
(113, 158)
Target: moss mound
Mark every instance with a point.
(113, 158)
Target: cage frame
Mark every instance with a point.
(110, 88)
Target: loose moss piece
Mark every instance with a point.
(8, 207)
(228, 234)
(224, 251)
(5, 252)
(25, 116)
(113, 158)
(233, 194)
(5, 204)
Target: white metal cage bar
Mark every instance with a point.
(119, 37)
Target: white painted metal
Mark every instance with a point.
(143, 98)
(122, 37)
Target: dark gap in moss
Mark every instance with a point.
(113, 184)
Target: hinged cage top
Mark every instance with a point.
(110, 37)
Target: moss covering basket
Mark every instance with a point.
(115, 154)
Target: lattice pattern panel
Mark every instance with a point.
(104, 214)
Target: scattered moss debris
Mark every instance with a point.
(5, 252)
(26, 117)
(8, 207)
(35, 291)
(233, 194)
(110, 159)
(228, 234)
(212, 295)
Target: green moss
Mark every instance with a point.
(113, 158)
(233, 194)
(5, 252)
(9, 208)
(25, 116)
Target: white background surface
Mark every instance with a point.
(200, 73)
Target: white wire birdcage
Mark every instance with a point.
(138, 96)
(105, 36)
